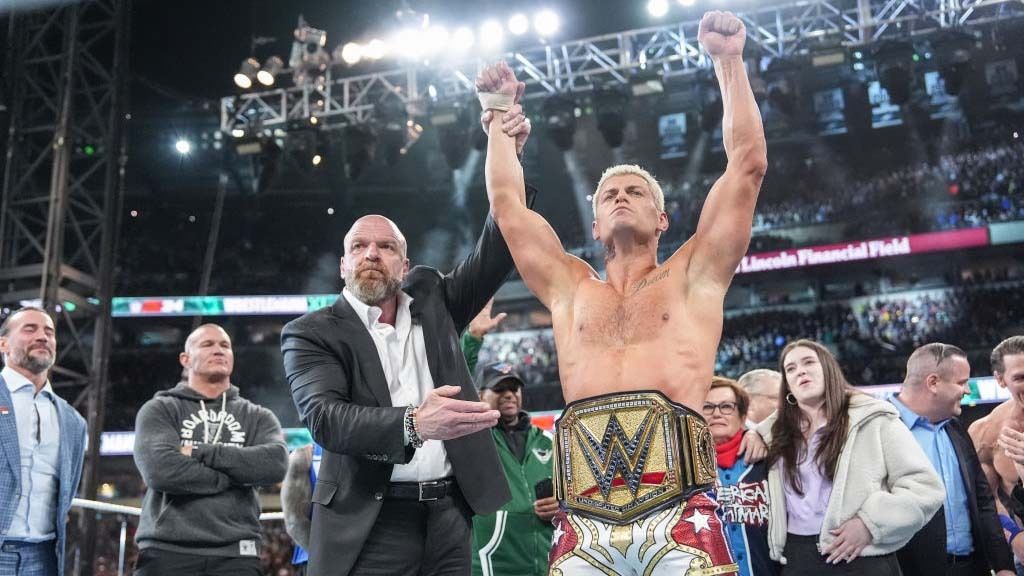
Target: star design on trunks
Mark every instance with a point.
(699, 521)
(556, 536)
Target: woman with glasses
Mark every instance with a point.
(848, 485)
(742, 487)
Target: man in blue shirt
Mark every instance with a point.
(42, 443)
(964, 537)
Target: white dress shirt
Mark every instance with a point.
(403, 355)
(35, 516)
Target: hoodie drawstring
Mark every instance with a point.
(206, 430)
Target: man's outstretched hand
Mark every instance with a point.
(722, 34)
(442, 416)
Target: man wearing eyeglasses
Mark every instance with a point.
(742, 486)
(43, 442)
(965, 537)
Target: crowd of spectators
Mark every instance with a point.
(865, 335)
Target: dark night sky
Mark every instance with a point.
(193, 47)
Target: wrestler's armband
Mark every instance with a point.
(412, 435)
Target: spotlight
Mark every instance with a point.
(894, 61)
(317, 159)
(687, 2)
(518, 24)
(409, 43)
(491, 35)
(308, 58)
(645, 83)
(351, 53)
(954, 59)
(463, 39)
(246, 72)
(271, 68)
(436, 39)
(610, 108)
(560, 120)
(657, 8)
(375, 49)
(238, 132)
(545, 23)
(393, 120)
(360, 149)
(184, 147)
(306, 34)
(453, 123)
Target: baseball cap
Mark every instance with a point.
(498, 372)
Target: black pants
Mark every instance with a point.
(153, 562)
(414, 538)
(803, 559)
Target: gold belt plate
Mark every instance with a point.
(622, 456)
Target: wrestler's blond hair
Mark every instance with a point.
(652, 183)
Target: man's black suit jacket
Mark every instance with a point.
(339, 388)
(925, 554)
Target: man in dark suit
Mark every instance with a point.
(380, 381)
(964, 538)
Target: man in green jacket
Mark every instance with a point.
(515, 540)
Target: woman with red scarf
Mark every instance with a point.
(742, 487)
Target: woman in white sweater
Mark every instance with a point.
(848, 485)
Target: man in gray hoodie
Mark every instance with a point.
(202, 451)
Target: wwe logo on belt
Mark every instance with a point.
(617, 453)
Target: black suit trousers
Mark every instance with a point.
(413, 538)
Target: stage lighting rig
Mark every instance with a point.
(309, 61)
(559, 112)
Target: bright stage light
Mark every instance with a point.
(463, 39)
(184, 147)
(270, 70)
(687, 2)
(491, 35)
(518, 24)
(351, 53)
(375, 49)
(246, 72)
(657, 8)
(238, 133)
(317, 159)
(408, 43)
(545, 23)
(436, 39)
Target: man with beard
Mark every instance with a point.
(203, 450)
(43, 440)
(380, 381)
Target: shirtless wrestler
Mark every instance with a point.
(635, 463)
(1000, 443)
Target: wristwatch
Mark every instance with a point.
(415, 440)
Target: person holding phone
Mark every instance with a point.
(516, 539)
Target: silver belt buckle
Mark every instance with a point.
(430, 485)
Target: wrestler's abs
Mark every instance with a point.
(650, 340)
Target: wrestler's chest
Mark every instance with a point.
(612, 320)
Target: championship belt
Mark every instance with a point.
(621, 456)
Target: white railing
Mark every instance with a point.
(125, 511)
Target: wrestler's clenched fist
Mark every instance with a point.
(722, 34)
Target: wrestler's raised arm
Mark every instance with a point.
(723, 231)
(548, 271)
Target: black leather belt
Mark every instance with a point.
(952, 559)
(422, 491)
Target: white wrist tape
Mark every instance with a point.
(495, 101)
